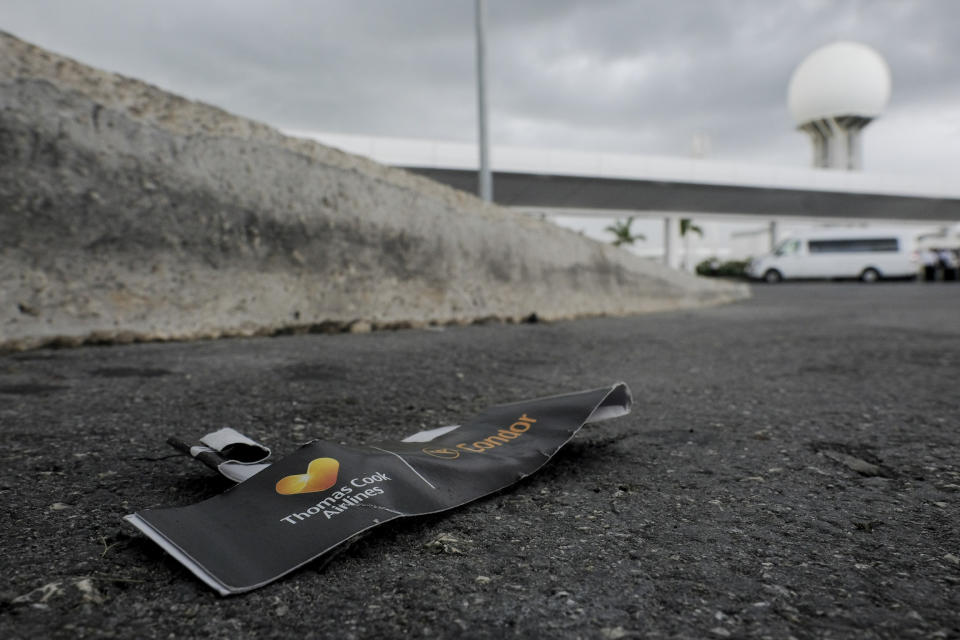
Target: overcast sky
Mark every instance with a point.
(631, 76)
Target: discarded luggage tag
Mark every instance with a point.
(221, 449)
(323, 494)
(229, 452)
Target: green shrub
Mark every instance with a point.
(729, 269)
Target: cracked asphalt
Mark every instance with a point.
(790, 469)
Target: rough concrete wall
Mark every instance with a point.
(130, 213)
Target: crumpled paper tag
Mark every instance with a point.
(232, 454)
(323, 494)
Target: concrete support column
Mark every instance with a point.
(836, 141)
(774, 234)
(669, 246)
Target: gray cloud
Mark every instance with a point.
(637, 76)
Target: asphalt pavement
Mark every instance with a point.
(791, 468)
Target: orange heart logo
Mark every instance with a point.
(321, 475)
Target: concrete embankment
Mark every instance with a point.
(129, 213)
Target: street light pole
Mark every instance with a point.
(486, 181)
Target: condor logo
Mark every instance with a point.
(442, 452)
(501, 437)
(321, 475)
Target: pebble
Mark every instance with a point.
(853, 463)
(361, 327)
(90, 592)
(443, 544)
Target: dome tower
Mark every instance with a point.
(833, 94)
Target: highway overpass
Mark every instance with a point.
(604, 183)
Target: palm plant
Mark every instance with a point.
(622, 233)
(686, 228)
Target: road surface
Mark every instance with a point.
(791, 468)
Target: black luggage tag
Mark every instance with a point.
(325, 493)
(228, 452)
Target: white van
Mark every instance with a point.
(867, 254)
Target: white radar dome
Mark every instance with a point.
(840, 79)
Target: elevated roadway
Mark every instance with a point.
(526, 177)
